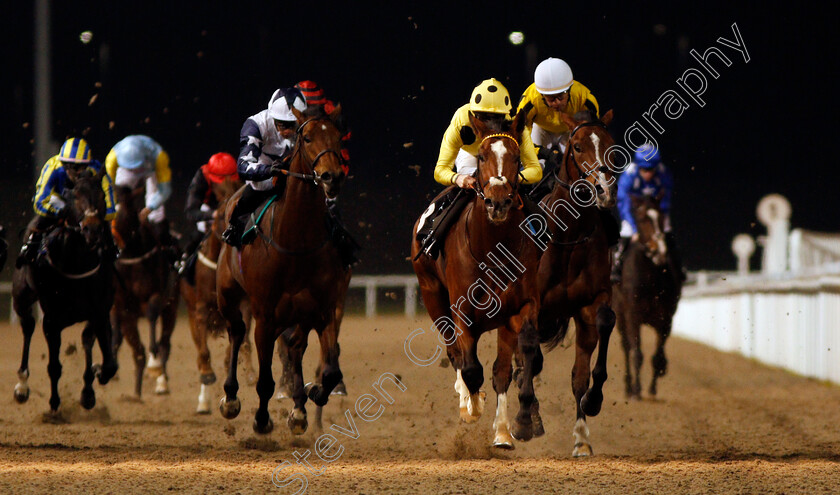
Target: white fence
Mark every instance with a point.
(371, 283)
(791, 320)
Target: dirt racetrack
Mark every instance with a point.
(721, 424)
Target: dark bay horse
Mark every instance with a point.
(648, 293)
(486, 278)
(200, 298)
(574, 273)
(72, 280)
(146, 286)
(292, 276)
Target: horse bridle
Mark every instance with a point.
(514, 194)
(299, 144)
(581, 172)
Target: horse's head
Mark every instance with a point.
(127, 222)
(319, 145)
(650, 223)
(586, 157)
(498, 166)
(87, 200)
(225, 189)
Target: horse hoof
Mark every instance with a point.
(297, 423)
(230, 409)
(203, 408)
(315, 392)
(522, 431)
(264, 429)
(582, 450)
(539, 430)
(591, 402)
(88, 399)
(208, 379)
(162, 385)
(340, 389)
(21, 393)
(503, 441)
(105, 373)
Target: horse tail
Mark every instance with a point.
(553, 335)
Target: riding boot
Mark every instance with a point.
(675, 256)
(532, 207)
(29, 251)
(347, 246)
(248, 201)
(618, 259)
(432, 243)
(186, 268)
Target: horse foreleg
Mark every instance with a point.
(528, 422)
(296, 343)
(286, 384)
(53, 334)
(659, 361)
(128, 330)
(230, 406)
(24, 307)
(631, 341)
(502, 373)
(102, 330)
(264, 337)
(154, 365)
(330, 374)
(88, 399)
(170, 313)
(469, 375)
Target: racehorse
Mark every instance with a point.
(146, 286)
(462, 290)
(575, 265)
(72, 279)
(648, 293)
(292, 276)
(200, 298)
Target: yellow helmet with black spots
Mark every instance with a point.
(490, 96)
(75, 150)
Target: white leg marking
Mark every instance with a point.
(203, 401)
(153, 362)
(581, 434)
(22, 387)
(501, 425)
(162, 385)
(461, 388)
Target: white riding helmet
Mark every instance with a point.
(279, 107)
(553, 76)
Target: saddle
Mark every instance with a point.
(439, 217)
(252, 220)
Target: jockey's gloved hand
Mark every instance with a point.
(63, 213)
(278, 167)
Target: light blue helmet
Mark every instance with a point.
(647, 156)
(134, 151)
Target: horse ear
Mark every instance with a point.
(298, 115)
(567, 119)
(519, 124)
(335, 115)
(480, 128)
(607, 118)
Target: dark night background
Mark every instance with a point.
(189, 74)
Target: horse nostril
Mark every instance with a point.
(488, 201)
(326, 177)
(508, 202)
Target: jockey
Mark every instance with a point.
(553, 92)
(57, 175)
(138, 159)
(202, 203)
(489, 103)
(266, 142)
(645, 176)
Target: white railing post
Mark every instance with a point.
(370, 298)
(410, 299)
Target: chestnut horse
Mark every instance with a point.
(73, 282)
(292, 276)
(200, 298)
(464, 290)
(574, 272)
(146, 286)
(648, 293)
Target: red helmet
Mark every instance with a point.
(312, 92)
(220, 167)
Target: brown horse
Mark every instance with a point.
(574, 273)
(72, 280)
(200, 298)
(146, 285)
(292, 276)
(464, 290)
(648, 293)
